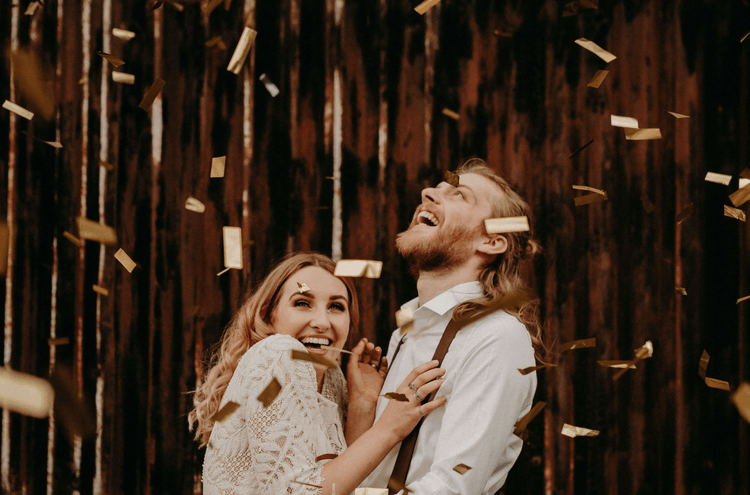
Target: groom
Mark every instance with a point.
(460, 268)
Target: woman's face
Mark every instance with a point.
(316, 316)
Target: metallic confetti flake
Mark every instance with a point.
(595, 49)
(242, 49)
(193, 204)
(18, 110)
(270, 393)
(598, 78)
(225, 412)
(218, 163)
(642, 134)
(95, 231)
(506, 225)
(577, 344)
(358, 268)
(425, 6)
(125, 260)
(25, 394)
(718, 178)
(734, 213)
(152, 93)
(233, 247)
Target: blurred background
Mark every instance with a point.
(335, 163)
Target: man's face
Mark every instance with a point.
(449, 223)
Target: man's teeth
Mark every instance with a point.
(314, 340)
(425, 217)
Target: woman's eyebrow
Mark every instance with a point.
(306, 293)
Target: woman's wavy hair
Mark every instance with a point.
(251, 324)
(501, 279)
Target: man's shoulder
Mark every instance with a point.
(499, 327)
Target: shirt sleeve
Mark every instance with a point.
(487, 397)
(279, 444)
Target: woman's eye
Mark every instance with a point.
(302, 302)
(338, 307)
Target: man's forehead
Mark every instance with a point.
(483, 187)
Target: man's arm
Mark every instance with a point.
(487, 397)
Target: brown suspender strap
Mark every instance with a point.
(398, 477)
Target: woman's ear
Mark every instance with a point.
(493, 244)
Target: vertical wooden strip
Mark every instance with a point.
(248, 142)
(338, 225)
(431, 45)
(10, 219)
(679, 389)
(294, 20)
(157, 130)
(382, 108)
(103, 156)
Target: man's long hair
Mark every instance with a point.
(501, 280)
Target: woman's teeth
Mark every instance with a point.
(315, 342)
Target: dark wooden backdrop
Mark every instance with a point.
(355, 133)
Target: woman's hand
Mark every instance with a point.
(400, 417)
(365, 374)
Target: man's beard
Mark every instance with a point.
(435, 253)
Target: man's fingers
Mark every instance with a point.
(432, 405)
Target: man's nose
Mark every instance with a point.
(430, 195)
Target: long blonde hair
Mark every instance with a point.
(501, 279)
(251, 324)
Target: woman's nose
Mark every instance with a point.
(320, 319)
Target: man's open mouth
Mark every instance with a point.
(314, 342)
(427, 218)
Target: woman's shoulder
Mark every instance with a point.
(274, 353)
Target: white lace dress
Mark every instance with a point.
(262, 451)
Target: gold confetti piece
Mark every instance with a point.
(741, 400)
(116, 62)
(598, 78)
(59, 341)
(225, 270)
(681, 290)
(75, 240)
(233, 247)
(358, 268)
(225, 412)
(734, 213)
(682, 216)
(177, 6)
(718, 178)
(152, 93)
(590, 189)
(270, 86)
(617, 364)
(719, 384)
(522, 423)
(302, 288)
(25, 394)
(242, 49)
(502, 34)
(193, 204)
(596, 49)
(125, 260)
(307, 484)
(31, 9)
(326, 457)
(678, 115)
(461, 469)
(450, 113)
(217, 41)
(306, 356)
(370, 491)
(54, 144)
(577, 431)
(95, 231)
(642, 134)
(589, 198)
(395, 396)
(270, 393)
(331, 348)
(643, 352)
(621, 121)
(122, 77)
(530, 369)
(211, 5)
(581, 149)
(18, 110)
(123, 34)
(740, 196)
(100, 290)
(743, 38)
(647, 204)
(217, 166)
(742, 299)
(425, 6)
(577, 344)
(451, 178)
(506, 224)
(33, 82)
(405, 320)
(108, 166)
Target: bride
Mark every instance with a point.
(299, 427)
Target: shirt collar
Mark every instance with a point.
(449, 299)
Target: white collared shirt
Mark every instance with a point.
(486, 397)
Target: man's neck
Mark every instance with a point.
(432, 284)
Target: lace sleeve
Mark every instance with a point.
(265, 450)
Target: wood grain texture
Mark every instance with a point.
(512, 72)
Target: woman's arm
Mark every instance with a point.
(364, 383)
(361, 457)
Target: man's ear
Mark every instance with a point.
(493, 244)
